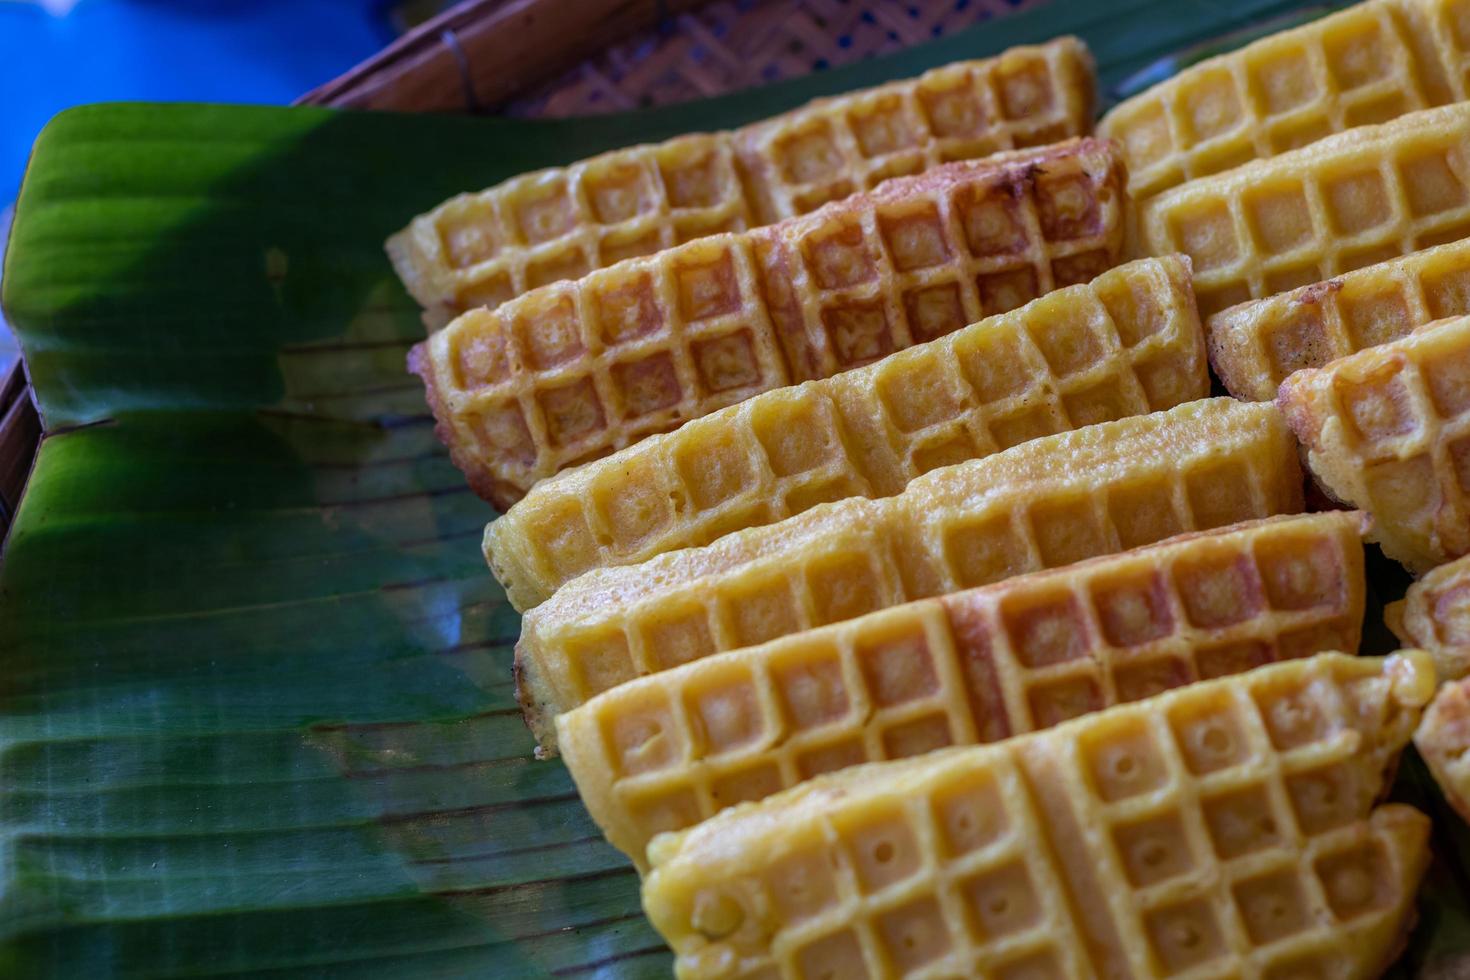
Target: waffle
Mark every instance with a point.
(574, 371)
(1368, 64)
(1344, 202)
(1045, 503)
(1225, 829)
(1255, 345)
(830, 148)
(480, 250)
(666, 751)
(1443, 740)
(1435, 615)
(1387, 429)
(1125, 344)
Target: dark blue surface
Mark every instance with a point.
(268, 51)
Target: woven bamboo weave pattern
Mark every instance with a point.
(725, 47)
(576, 370)
(1370, 63)
(1388, 429)
(1347, 201)
(1228, 827)
(663, 752)
(1127, 343)
(1256, 345)
(1045, 503)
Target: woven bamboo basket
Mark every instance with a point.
(562, 58)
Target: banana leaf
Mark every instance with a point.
(256, 713)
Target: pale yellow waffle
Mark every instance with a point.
(664, 752)
(1435, 615)
(1443, 740)
(1255, 345)
(1226, 829)
(1341, 203)
(1370, 63)
(1125, 344)
(1045, 503)
(576, 370)
(1388, 430)
(830, 148)
(482, 249)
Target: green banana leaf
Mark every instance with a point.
(256, 713)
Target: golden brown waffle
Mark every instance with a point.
(1368, 64)
(1443, 740)
(1224, 829)
(1125, 344)
(480, 250)
(1255, 345)
(830, 148)
(1042, 504)
(576, 370)
(1388, 430)
(1343, 202)
(1435, 615)
(666, 751)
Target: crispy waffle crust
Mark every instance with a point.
(1127, 343)
(1388, 430)
(1254, 346)
(578, 369)
(1346, 201)
(1370, 63)
(486, 248)
(666, 751)
(1443, 740)
(1228, 825)
(1045, 503)
(1435, 615)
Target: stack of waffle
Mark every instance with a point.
(881, 427)
(486, 248)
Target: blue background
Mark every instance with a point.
(268, 51)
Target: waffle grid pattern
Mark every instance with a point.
(1227, 827)
(1345, 202)
(1368, 64)
(1444, 744)
(579, 369)
(1388, 429)
(1027, 96)
(1204, 465)
(1435, 615)
(1125, 344)
(482, 249)
(664, 752)
(1256, 345)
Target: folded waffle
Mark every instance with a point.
(1341, 203)
(1045, 503)
(1370, 63)
(666, 751)
(1125, 344)
(1435, 616)
(1443, 740)
(485, 248)
(1255, 345)
(1224, 829)
(1388, 430)
(578, 369)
